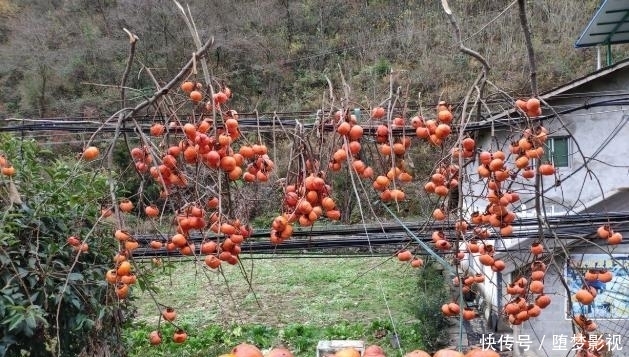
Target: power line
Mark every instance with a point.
(342, 239)
(266, 121)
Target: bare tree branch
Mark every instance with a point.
(182, 73)
(458, 39)
(133, 39)
(529, 47)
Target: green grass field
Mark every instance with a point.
(310, 298)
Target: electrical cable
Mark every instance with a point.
(566, 227)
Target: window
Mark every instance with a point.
(557, 151)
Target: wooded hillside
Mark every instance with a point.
(65, 57)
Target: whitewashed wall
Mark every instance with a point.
(602, 135)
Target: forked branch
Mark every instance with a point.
(173, 82)
(459, 40)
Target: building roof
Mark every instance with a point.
(615, 201)
(610, 25)
(511, 116)
(585, 79)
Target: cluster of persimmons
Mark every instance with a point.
(173, 153)
(588, 293)
(5, 167)
(308, 198)
(305, 201)
(170, 156)
(499, 171)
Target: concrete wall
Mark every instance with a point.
(591, 128)
(606, 160)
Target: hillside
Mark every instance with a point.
(64, 58)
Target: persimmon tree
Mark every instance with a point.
(202, 159)
(500, 178)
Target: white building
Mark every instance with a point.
(588, 142)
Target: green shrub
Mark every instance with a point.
(432, 325)
(52, 300)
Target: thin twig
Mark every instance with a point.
(133, 39)
(529, 46)
(504, 11)
(173, 82)
(457, 36)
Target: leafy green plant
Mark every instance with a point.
(301, 339)
(432, 326)
(53, 299)
(261, 335)
(382, 67)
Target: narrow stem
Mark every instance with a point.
(529, 47)
(133, 39)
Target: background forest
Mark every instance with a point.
(64, 57)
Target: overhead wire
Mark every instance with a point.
(391, 237)
(267, 121)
